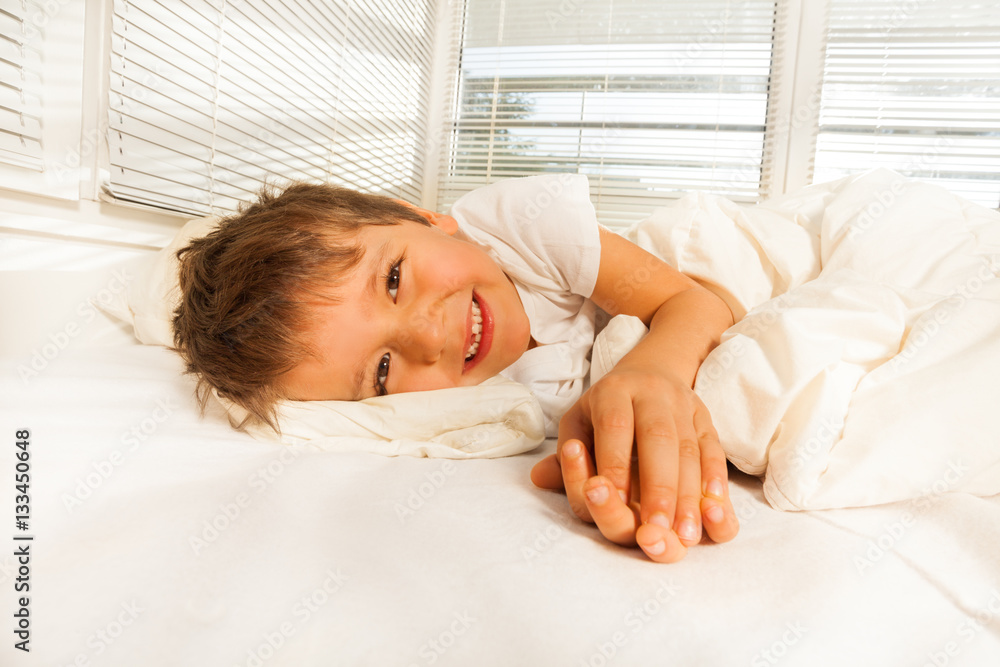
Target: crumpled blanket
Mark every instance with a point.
(865, 367)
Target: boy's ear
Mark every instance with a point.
(444, 222)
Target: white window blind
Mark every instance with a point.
(20, 85)
(649, 99)
(914, 86)
(208, 98)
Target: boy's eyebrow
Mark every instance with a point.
(370, 289)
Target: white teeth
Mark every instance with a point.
(477, 330)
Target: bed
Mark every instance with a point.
(163, 537)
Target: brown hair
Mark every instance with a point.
(241, 314)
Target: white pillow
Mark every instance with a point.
(496, 418)
(150, 298)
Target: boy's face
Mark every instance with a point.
(405, 320)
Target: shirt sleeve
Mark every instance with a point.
(542, 230)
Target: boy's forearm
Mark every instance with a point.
(682, 332)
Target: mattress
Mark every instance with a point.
(162, 537)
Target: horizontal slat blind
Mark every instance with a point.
(20, 85)
(649, 99)
(211, 98)
(914, 86)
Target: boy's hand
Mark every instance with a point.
(680, 465)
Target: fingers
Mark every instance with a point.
(718, 515)
(613, 419)
(658, 471)
(576, 470)
(669, 465)
(547, 474)
(595, 499)
(681, 489)
(616, 520)
(687, 520)
(659, 542)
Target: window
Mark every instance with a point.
(650, 98)
(41, 84)
(211, 99)
(744, 99)
(20, 87)
(914, 86)
(647, 98)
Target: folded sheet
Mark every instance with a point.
(865, 368)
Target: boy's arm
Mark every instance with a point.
(647, 399)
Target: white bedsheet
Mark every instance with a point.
(165, 539)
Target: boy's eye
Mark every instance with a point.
(381, 375)
(392, 280)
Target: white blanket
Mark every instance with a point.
(865, 368)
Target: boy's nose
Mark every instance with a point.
(425, 331)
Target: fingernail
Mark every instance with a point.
(598, 495)
(623, 496)
(714, 489)
(659, 519)
(656, 549)
(715, 514)
(688, 530)
(571, 449)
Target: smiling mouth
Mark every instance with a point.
(480, 333)
(477, 330)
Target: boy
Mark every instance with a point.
(323, 293)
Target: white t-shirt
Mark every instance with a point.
(543, 232)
